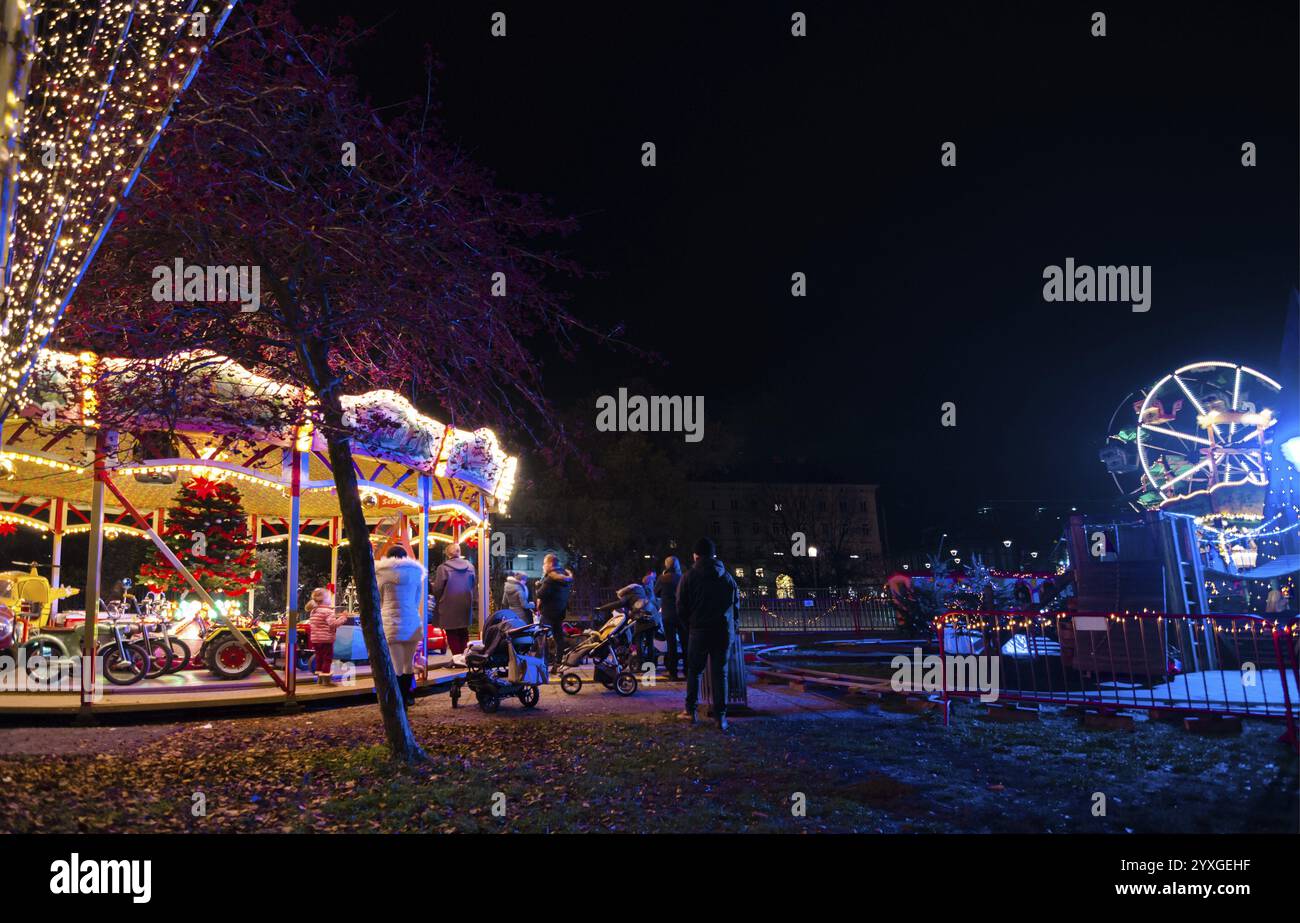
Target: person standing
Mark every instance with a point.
(553, 599)
(453, 588)
(401, 601)
(674, 627)
(323, 625)
(514, 596)
(708, 599)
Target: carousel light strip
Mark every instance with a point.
(365, 487)
(18, 519)
(110, 531)
(37, 459)
(218, 471)
(302, 540)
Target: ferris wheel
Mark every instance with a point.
(1203, 430)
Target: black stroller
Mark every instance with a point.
(614, 649)
(507, 662)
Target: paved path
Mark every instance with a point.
(766, 702)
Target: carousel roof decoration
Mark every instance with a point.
(225, 422)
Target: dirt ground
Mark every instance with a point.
(803, 762)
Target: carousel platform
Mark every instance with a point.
(197, 690)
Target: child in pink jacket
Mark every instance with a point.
(324, 626)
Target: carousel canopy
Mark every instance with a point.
(226, 422)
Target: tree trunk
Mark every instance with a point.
(401, 742)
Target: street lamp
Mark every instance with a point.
(812, 553)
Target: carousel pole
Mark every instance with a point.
(425, 489)
(484, 563)
(56, 554)
(255, 530)
(296, 459)
(334, 555)
(94, 564)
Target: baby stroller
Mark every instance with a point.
(507, 662)
(610, 650)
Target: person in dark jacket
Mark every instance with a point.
(674, 627)
(708, 599)
(453, 588)
(553, 599)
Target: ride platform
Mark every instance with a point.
(197, 690)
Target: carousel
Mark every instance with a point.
(77, 459)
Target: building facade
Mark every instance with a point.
(777, 535)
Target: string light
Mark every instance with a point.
(94, 85)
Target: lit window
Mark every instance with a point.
(740, 571)
(758, 572)
(784, 586)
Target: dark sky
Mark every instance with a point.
(821, 155)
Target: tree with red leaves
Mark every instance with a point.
(387, 259)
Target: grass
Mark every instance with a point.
(873, 771)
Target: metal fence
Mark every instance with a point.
(813, 611)
(1217, 665)
(804, 610)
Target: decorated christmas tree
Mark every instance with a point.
(208, 532)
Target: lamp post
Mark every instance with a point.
(812, 553)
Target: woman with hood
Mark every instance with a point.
(401, 599)
(453, 588)
(515, 596)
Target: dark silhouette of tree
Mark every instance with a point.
(379, 245)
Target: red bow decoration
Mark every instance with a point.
(7, 528)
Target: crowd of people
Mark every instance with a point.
(695, 612)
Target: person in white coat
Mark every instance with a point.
(401, 597)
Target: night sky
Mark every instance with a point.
(821, 155)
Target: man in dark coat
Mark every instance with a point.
(708, 600)
(674, 627)
(553, 599)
